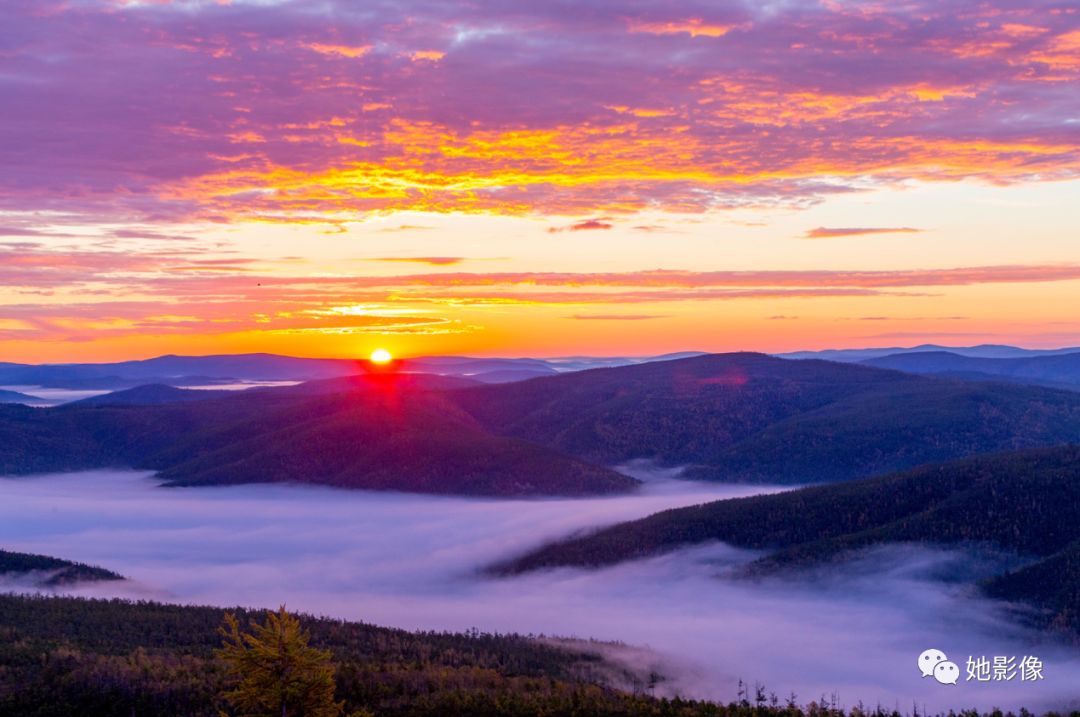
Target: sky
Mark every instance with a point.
(325, 177)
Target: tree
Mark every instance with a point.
(275, 673)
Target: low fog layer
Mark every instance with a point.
(411, 561)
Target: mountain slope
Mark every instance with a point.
(1053, 584)
(380, 435)
(23, 398)
(752, 417)
(150, 395)
(416, 442)
(679, 411)
(372, 381)
(1026, 502)
(54, 571)
(878, 432)
(64, 656)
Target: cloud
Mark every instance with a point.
(584, 225)
(694, 27)
(925, 334)
(18, 230)
(235, 293)
(411, 561)
(148, 234)
(911, 318)
(433, 260)
(404, 228)
(826, 232)
(617, 317)
(506, 108)
(342, 50)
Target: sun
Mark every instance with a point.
(381, 356)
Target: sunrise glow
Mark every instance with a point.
(497, 179)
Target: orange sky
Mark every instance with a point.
(523, 180)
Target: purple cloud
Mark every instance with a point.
(216, 111)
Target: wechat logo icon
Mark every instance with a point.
(934, 663)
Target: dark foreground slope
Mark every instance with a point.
(51, 572)
(384, 434)
(1027, 503)
(64, 656)
(752, 417)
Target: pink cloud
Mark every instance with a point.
(584, 225)
(196, 293)
(433, 260)
(827, 232)
(617, 317)
(444, 107)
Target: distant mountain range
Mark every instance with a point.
(1056, 370)
(19, 380)
(173, 369)
(980, 351)
(1026, 503)
(181, 371)
(733, 417)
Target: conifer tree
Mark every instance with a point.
(274, 672)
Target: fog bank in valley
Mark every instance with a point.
(411, 561)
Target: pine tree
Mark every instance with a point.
(275, 673)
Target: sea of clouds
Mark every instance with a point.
(412, 561)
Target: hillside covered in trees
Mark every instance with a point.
(389, 434)
(51, 572)
(751, 417)
(1026, 502)
(67, 656)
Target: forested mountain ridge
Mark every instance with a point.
(54, 572)
(751, 417)
(1025, 503)
(407, 441)
(382, 436)
(150, 394)
(882, 431)
(23, 398)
